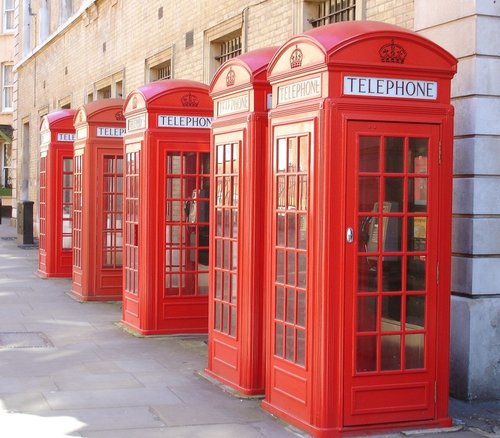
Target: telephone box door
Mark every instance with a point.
(391, 290)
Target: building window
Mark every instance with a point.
(161, 71)
(66, 9)
(227, 48)
(7, 169)
(104, 93)
(8, 15)
(7, 87)
(333, 11)
(222, 42)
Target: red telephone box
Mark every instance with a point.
(361, 179)
(98, 201)
(241, 96)
(167, 185)
(57, 134)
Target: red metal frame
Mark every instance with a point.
(55, 196)
(344, 335)
(236, 322)
(167, 155)
(98, 201)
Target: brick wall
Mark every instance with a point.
(399, 12)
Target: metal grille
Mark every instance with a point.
(229, 49)
(333, 11)
(162, 71)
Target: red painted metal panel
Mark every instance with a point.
(98, 201)
(55, 195)
(352, 295)
(167, 179)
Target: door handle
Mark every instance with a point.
(349, 235)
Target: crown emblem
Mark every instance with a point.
(296, 58)
(230, 77)
(392, 52)
(119, 116)
(134, 102)
(189, 100)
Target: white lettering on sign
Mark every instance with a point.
(81, 132)
(233, 105)
(299, 90)
(135, 123)
(45, 137)
(401, 88)
(168, 121)
(110, 132)
(64, 136)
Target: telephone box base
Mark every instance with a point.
(86, 298)
(159, 332)
(317, 432)
(44, 275)
(239, 391)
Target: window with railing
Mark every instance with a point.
(161, 71)
(229, 47)
(333, 11)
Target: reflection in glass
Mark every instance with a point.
(301, 347)
(280, 300)
(280, 229)
(414, 351)
(232, 328)
(415, 312)
(292, 154)
(394, 154)
(418, 155)
(303, 154)
(369, 153)
(302, 244)
(280, 266)
(292, 192)
(417, 233)
(368, 193)
(390, 354)
(366, 353)
(367, 314)
(391, 274)
(278, 339)
(367, 274)
(292, 231)
(290, 340)
(391, 313)
(290, 306)
(301, 309)
(417, 194)
(290, 269)
(281, 158)
(301, 273)
(302, 192)
(394, 192)
(415, 277)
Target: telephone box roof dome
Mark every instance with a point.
(55, 117)
(361, 43)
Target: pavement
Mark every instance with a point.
(67, 369)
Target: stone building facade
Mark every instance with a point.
(70, 52)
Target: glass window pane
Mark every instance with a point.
(301, 347)
(394, 154)
(418, 155)
(392, 274)
(301, 309)
(280, 230)
(394, 192)
(278, 339)
(391, 313)
(369, 153)
(415, 277)
(417, 194)
(281, 192)
(281, 157)
(391, 234)
(414, 351)
(367, 274)
(415, 312)
(367, 314)
(292, 231)
(292, 154)
(390, 354)
(292, 192)
(303, 154)
(366, 353)
(280, 266)
(290, 343)
(302, 193)
(302, 244)
(368, 193)
(302, 270)
(290, 269)
(290, 306)
(417, 233)
(232, 329)
(280, 303)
